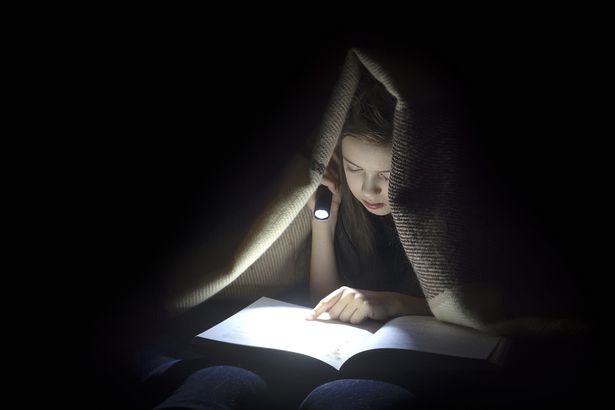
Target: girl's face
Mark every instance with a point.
(367, 168)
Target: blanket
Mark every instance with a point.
(456, 236)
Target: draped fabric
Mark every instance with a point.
(446, 222)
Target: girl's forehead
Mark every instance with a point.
(367, 155)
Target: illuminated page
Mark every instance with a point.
(279, 325)
(427, 334)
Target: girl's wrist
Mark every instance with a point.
(402, 304)
(326, 225)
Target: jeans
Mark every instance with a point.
(230, 387)
(358, 394)
(217, 387)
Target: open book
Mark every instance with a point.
(273, 324)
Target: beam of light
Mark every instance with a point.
(277, 325)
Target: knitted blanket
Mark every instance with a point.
(445, 222)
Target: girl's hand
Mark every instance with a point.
(353, 305)
(356, 305)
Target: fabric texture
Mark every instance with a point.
(443, 219)
(358, 394)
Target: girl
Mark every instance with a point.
(358, 246)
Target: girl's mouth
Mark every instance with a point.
(372, 206)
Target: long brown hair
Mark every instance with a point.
(370, 119)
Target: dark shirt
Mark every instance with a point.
(386, 269)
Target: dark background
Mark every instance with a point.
(178, 124)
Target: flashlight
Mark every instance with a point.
(323, 202)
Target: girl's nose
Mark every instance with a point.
(371, 187)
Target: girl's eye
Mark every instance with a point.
(385, 176)
(353, 169)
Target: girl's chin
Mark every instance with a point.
(385, 210)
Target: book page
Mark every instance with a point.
(427, 334)
(279, 325)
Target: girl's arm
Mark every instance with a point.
(324, 277)
(323, 267)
